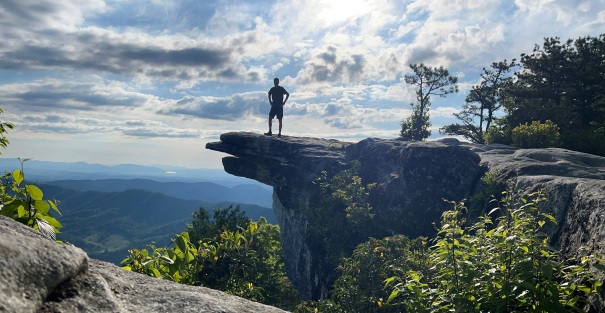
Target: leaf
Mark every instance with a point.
(393, 295)
(54, 206)
(189, 257)
(41, 206)
(9, 208)
(21, 211)
(34, 192)
(18, 176)
(155, 272)
(550, 217)
(181, 242)
(51, 221)
(389, 281)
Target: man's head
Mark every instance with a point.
(276, 81)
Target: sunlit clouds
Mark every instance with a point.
(150, 82)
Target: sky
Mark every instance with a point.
(151, 82)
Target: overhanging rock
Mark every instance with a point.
(413, 179)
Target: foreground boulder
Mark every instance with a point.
(412, 181)
(39, 275)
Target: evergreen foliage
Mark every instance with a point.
(428, 82)
(361, 288)
(482, 102)
(204, 227)
(561, 82)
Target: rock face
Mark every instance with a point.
(412, 181)
(39, 275)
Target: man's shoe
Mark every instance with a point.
(278, 135)
(269, 133)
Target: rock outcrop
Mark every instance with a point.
(412, 180)
(40, 275)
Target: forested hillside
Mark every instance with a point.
(107, 224)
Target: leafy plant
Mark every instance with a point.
(244, 262)
(361, 288)
(482, 201)
(4, 127)
(347, 188)
(323, 306)
(25, 202)
(501, 264)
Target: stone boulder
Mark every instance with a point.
(40, 275)
(413, 180)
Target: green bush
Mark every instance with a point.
(536, 135)
(361, 288)
(498, 264)
(496, 135)
(244, 262)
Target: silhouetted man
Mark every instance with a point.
(277, 101)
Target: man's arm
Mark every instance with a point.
(287, 96)
(270, 102)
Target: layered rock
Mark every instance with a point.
(40, 275)
(412, 180)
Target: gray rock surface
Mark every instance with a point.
(39, 275)
(412, 181)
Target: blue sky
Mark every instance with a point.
(150, 82)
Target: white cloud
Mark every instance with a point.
(118, 71)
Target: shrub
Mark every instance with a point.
(496, 135)
(361, 288)
(245, 262)
(536, 135)
(501, 264)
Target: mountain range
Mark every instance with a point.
(107, 210)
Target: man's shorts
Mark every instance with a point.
(276, 110)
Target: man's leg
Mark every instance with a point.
(270, 124)
(279, 126)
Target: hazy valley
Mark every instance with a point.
(108, 210)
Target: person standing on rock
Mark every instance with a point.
(277, 101)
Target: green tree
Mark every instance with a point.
(428, 82)
(203, 226)
(562, 82)
(482, 102)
